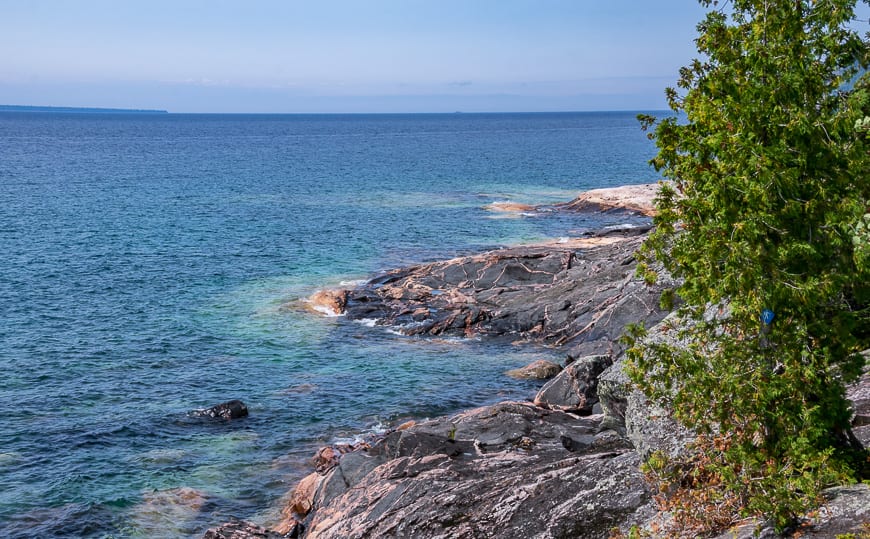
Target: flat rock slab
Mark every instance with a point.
(581, 292)
(638, 198)
(508, 470)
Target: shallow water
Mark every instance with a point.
(145, 262)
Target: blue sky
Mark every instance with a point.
(343, 55)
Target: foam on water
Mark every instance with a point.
(353, 283)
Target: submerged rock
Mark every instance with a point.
(540, 369)
(233, 409)
(171, 512)
(510, 207)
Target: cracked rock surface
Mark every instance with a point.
(578, 294)
(508, 470)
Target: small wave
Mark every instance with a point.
(367, 322)
(160, 456)
(504, 216)
(377, 429)
(456, 340)
(623, 226)
(353, 282)
(401, 329)
(322, 309)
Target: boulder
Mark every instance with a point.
(325, 459)
(233, 409)
(302, 498)
(540, 369)
(576, 387)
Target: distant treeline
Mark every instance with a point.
(28, 108)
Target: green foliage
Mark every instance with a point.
(861, 244)
(766, 209)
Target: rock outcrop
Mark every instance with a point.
(638, 198)
(549, 469)
(628, 411)
(579, 294)
(508, 470)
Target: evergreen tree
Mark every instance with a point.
(769, 170)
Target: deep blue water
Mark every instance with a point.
(145, 260)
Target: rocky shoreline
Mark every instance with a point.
(564, 465)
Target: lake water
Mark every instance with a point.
(146, 265)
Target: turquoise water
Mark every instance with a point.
(149, 266)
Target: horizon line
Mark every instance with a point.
(132, 110)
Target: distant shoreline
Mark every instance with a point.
(89, 110)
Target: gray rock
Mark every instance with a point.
(648, 426)
(579, 295)
(521, 471)
(614, 388)
(627, 410)
(233, 409)
(238, 529)
(859, 394)
(576, 387)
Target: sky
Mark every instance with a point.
(288, 56)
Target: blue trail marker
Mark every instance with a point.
(767, 316)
